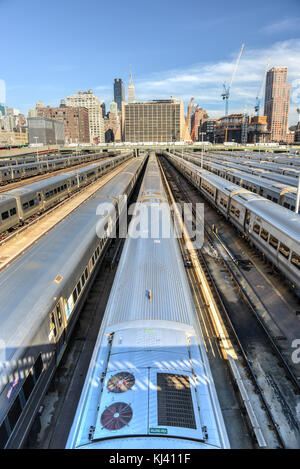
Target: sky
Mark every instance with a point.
(179, 48)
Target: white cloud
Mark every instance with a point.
(286, 24)
(204, 81)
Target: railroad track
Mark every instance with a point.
(247, 328)
(24, 182)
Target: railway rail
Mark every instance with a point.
(236, 321)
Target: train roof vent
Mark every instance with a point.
(174, 401)
(121, 382)
(116, 416)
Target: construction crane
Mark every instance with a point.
(260, 93)
(186, 132)
(226, 87)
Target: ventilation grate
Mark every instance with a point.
(174, 401)
(116, 416)
(121, 382)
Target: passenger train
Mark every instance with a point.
(41, 295)
(276, 191)
(149, 383)
(18, 205)
(14, 170)
(273, 229)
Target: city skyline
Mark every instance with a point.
(181, 66)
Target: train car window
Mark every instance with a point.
(232, 208)
(5, 215)
(12, 211)
(284, 250)
(28, 386)
(273, 242)
(14, 413)
(82, 279)
(295, 259)
(256, 228)
(31, 203)
(93, 260)
(248, 216)
(275, 200)
(75, 296)
(264, 234)
(3, 435)
(86, 273)
(237, 213)
(78, 288)
(55, 191)
(38, 367)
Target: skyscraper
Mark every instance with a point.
(119, 92)
(131, 91)
(277, 100)
(91, 102)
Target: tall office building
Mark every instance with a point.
(91, 102)
(131, 91)
(277, 100)
(154, 121)
(119, 92)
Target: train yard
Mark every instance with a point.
(186, 347)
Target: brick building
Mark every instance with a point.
(75, 120)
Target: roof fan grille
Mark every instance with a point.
(121, 382)
(116, 416)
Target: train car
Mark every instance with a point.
(41, 195)
(41, 302)
(8, 213)
(30, 169)
(5, 174)
(149, 383)
(240, 207)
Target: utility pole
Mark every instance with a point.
(202, 133)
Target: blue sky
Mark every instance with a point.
(180, 48)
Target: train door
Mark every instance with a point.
(247, 221)
(58, 327)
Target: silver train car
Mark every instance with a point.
(279, 193)
(14, 170)
(273, 229)
(149, 383)
(277, 187)
(41, 296)
(39, 196)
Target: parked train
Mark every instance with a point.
(32, 166)
(41, 296)
(279, 193)
(17, 205)
(287, 170)
(273, 229)
(149, 383)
